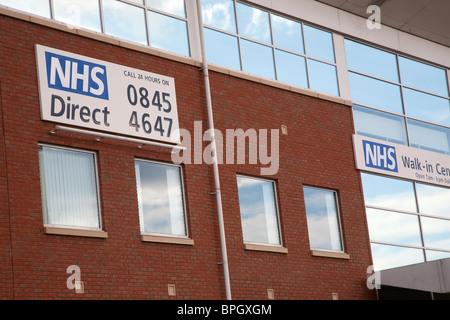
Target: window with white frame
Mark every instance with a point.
(399, 99)
(259, 212)
(69, 187)
(160, 198)
(38, 7)
(409, 222)
(160, 24)
(323, 219)
(250, 39)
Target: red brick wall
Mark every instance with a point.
(6, 285)
(317, 151)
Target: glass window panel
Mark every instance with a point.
(429, 137)
(124, 21)
(375, 93)
(38, 7)
(160, 197)
(175, 7)
(372, 61)
(257, 59)
(287, 34)
(423, 76)
(80, 13)
(222, 49)
(379, 125)
(219, 14)
(393, 227)
(388, 193)
(253, 23)
(323, 77)
(319, 43)
(258, 211)
(168, 33)
(291, 68)
(137, 1)
(426, 106)
(436, 233)
(433, 200)
(69, 188)
(387, 257)
(323, 220)
(436, 255)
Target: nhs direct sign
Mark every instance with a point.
(76, 76)
(90, 93)
(401, 161)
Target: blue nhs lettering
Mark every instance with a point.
(76, 76)
(380, 156)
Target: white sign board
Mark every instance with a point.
(401, 161)
(84, 92)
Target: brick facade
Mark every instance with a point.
(317, 151)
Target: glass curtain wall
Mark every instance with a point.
(253, 40)
(408, 222)
(404, 101)
(161, 24)
(398, 99)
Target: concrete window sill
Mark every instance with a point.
(268, 248)
(330, 254)
(76, 232)
(163, 239)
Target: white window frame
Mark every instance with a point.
(50, 226)
(164, 237)
(338, 212)
(275, 195)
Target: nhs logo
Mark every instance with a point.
(380, 156)
(76, 76)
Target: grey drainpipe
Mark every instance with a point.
(214, 154)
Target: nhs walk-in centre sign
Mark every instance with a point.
(84, 92)
(401, 161)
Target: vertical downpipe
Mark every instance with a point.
(214, 153)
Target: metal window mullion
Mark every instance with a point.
(341, 67)
(405, 119)
(394, 244)
(374, 77)
(424, 91)
(378, 109)
(306, 55)
(236, 17)
(192, 22)
(419, 219)
(147, 26)
(448, 81)
(408, 140)
(391, 210)
(133, 3)
(52, 10)
(273, 46)
(102, 18)
(241, 62)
